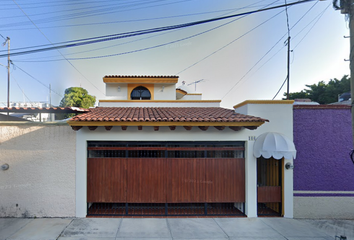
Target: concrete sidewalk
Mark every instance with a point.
(173, 228)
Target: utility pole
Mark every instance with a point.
(288, 70)
(347, 7)
(50, 101)
(8, 71)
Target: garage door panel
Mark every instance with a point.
(226, 180)
(187, 180)
(146, 180)
(106, 180)
(172, 172)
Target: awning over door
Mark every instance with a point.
(276, 145)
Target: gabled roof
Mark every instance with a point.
(165, 116)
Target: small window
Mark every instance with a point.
(140, 93)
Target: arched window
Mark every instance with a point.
(140, 93)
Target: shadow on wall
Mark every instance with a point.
(40, 181)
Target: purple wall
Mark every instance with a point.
(323, 140)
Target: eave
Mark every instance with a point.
(163, 124)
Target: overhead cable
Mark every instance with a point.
(138, 50)
(93, 40)
(266, 55)
(57, 50)
(37, 80)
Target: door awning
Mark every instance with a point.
(276, 145)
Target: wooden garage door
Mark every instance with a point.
(160, 172)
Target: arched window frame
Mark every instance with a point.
(141, 93)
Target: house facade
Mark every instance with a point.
(149, 153)
(151, 149)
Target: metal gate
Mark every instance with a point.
(269, 190)
(165, 178)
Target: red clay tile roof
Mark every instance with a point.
(164, 114)
(122, 76)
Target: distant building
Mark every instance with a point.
(34, 117)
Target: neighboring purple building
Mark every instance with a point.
(324, 172)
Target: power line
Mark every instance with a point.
(148, 48)
(319, 16)
(138, 40)
(3, 37)
(164, 44)
(37, 80)
(57, 50)
(18, 85)
(128, 21)
(226, 44)
(288, 55)
(285, 35)
(266, 55)
(280, 88)
(95, 12)
(93, 40)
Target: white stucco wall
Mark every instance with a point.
(192, 96)
(165, 92)
(117, 91)
(280, 116)
(41, 179)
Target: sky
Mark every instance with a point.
(237, 59)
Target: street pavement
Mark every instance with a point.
(173, 228)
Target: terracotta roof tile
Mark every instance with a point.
(136, 76)
(164, 114)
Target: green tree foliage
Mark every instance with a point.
(324, 93)
(76, 97)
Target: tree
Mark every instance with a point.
(324, 93)
(76, 97)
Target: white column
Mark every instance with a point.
(288, 190)
(251, 180)
(81, 172)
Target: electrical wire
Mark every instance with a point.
(94, 12)
(58, 50)
(132, 20)
(228, 44)
(280, 88)
(286, 34)
(318, 17)
(2, 36)
(152, 30)
(82, 42)
(317, 20)
(18, 85)
(37, 80)
(45, 59)
(265, 55)
(111, 55)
